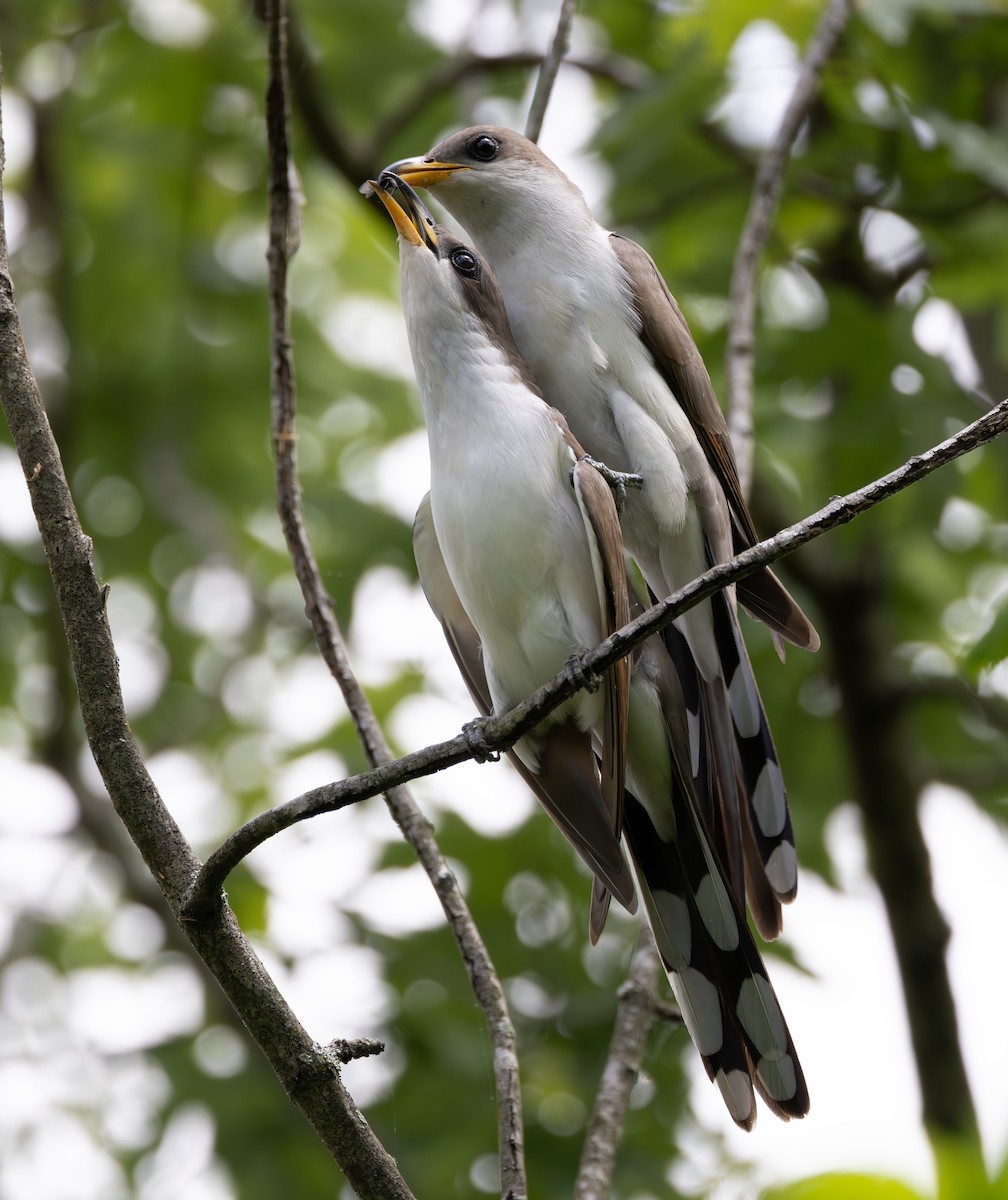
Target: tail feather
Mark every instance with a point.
(767, 835)
(714, 967)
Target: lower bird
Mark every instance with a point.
(520, 554)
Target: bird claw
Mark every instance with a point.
(474, 733)
(581, 676)
(619, 481)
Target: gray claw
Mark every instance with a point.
(580, 675)
(474, 733)
(619, 481)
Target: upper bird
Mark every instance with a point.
(606, 341)
(519, 552)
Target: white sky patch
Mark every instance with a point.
(444, 23)
(762, 69)
(60, 1159)
(792, 298)
(395, 476)
(46, 70)
(184, 1162)
(176, 23)
(939, 330)
(962, 524)
(389, 626)
(338, 992)
(193, 796)
(320, 861)
(135, 933)
(116, 1010)
(889, 240)
(213, 600)
(399, 901)
(969, 864)
(297, 701)
(18, 134)
(573, 116)
(305, 703)
(17, 521)
(369, 333)
(37, 801)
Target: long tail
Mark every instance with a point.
(714, 967)
(695, 912)
(736, 773)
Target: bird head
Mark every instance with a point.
(488, 177)
(447, 288)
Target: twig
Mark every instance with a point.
(308, 1077)
(635, 1013)
(548, 70)
(622, 72)
(766, 192)
(318, 607)
(501, 732)
(992, 707)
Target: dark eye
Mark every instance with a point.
(464, 261)
(484, 147)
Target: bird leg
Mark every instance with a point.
(619, 481)
(580, 675)
(474, 733)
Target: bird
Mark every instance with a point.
(519, 552)
(602, 334)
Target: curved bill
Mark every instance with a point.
(413, 222)
(423, 173)
(411, 218)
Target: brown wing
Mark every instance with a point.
(668, 339)
(567, 783)
(598, 509)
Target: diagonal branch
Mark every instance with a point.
(502, 731)
(319, 610)
(548, 70)
(766, 193)
(308, 1075)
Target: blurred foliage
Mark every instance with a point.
(135, 208)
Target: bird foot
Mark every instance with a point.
(474, 733)
(619, 481)
(580, 675)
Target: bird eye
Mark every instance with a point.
(464, 261)
(484, 147)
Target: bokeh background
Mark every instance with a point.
(135, 211)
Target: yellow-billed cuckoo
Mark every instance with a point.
(606, 341)
(519, 551)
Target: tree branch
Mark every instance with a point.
(991, 707)
(766, 192)
(500, 732)
(548, 70)
(319, 610)
(307, 1075)
(622, 72)
(635, 1013)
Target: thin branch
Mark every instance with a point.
(502, 731)
(548, 70)
(766, 192)
(318, 607)
(615, 69)
(635, 1013)
(307, 1075)
(992, 707)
